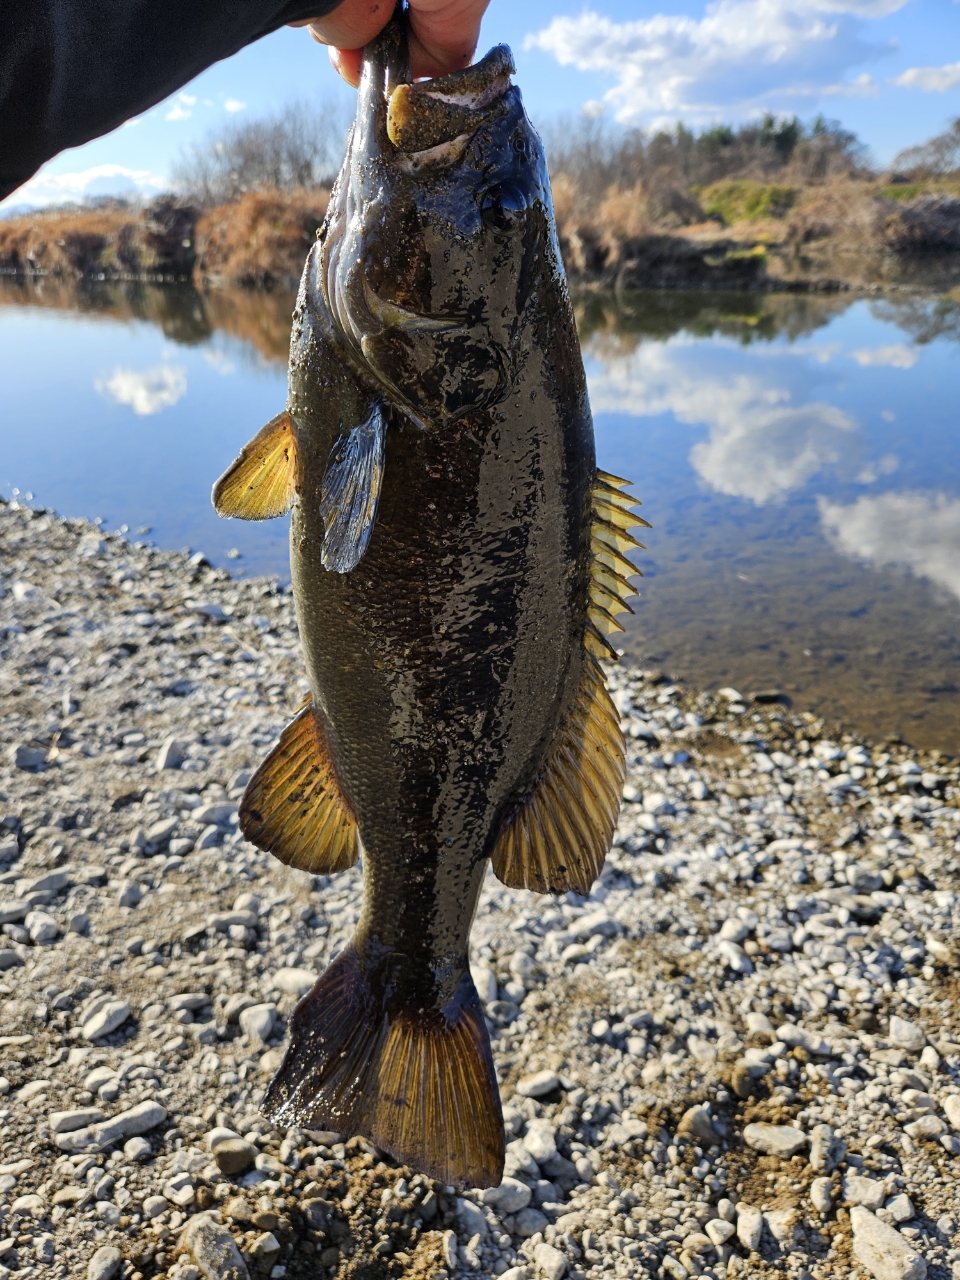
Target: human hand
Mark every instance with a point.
(442, 37)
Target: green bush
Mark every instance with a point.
(746, 201)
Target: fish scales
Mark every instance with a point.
(448, 524)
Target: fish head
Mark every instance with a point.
(440, 227)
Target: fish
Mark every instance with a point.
(458, 563)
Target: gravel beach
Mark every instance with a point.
(739, 1056)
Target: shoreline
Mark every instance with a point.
(695, 1046)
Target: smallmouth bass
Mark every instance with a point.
(457, 561)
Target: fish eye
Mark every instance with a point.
(501, 207)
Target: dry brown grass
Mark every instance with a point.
(262, 239)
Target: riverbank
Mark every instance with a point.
(739, 1055)
(736, 236)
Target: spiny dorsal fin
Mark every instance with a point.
(611, 517)
(293, 806)
(558, 837)
(261, 483)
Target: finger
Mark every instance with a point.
(443, 35)
(347, 63)
(351, 25)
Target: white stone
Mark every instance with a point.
(471, 1219)
(821, 1195)
(537, 1085)
(719, 1231)
(485, 980)
(171, 754)
(41, 926)
(900, 1207)
(153, 1206)
(734, 929)
(294, 982)
(257, 1021)
(774, 1139)
(550, 1262)
(925, 1127)
(883, 1250)
(749, 1226)
(906, 1035)
(106, 1020)
(540, 1140)
(129, 893)
(866, 1191)
(511, 1196)
(67, 1121)
(797, 1037)
(105, 1263)
(951, 1109)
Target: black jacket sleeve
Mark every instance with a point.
(71, 70)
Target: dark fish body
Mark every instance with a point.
(444, 569)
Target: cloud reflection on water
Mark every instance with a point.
(912, 530)
(760, 443)
(146, 391)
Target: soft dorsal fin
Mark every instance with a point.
(558, 837)
(261, 483)
(293, 806)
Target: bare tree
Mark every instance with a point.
(300, 146)
(934, 159)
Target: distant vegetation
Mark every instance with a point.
(770, 204)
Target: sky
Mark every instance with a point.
(887, 69)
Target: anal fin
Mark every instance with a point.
(420, 1084)
(350, 493)
(293, 806)
(261, 483)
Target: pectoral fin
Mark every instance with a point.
(261, 483)
(350, 492)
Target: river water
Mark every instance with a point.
(798, 457)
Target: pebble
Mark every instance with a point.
(883, 1250)
(234, 1155)
(764, 917)
(105, 1263)
(774, 1139)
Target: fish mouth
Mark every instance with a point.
(439, 116)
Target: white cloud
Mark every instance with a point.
(895, 356)
(177, 112)
(46, 188)
(188, 99)
(740, 55)
(930, 79)
(884, 466)
(759, 445)
(234, 104)
(916, 531)
(146, 391)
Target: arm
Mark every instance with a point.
(71, 70)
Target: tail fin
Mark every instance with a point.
(419, 1085)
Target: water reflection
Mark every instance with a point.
(796, 455)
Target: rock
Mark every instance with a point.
(159, 832)
(783, 1226)
(796, 1037)
(171, 755)
(106, 1020)
(529, 1221)
(827, 1149)
(67, 1121)
(821, 1195)
(471, 1220)
(760, 1026)
(749, 1226)
(129, 893)
(264, 1249)
(866, 1191)
(105, 1263)
(12, 910)
(511, 1196)
(734, 929)
(294, 982)
(139, 1119)
(539, 1084)
(540, 1140)
(137, 1149)
(883, 1250)
(485, 980)
(234, 1155)
(49, 882)
(214, 1250)
(719, 1231)
(695, 1123)
(78, 922)
(901, 1208)
(27, 757)
(925, 1127)
(41, 926)
(734, 957)
(9, 960)
(550, 1262)
(951, 1106)
(906, 1035)
(257, 1021)
(774, 1139)
(220, 1134)
(215, 814)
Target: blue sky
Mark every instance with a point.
(888, 69)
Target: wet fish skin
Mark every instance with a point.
(453, 666)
